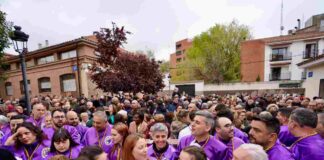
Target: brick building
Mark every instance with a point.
(178, 57)
(276, 58)
(60, 69)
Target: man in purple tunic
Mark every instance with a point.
(225, 133)
(285, 136)
(264, 132)
(225, 112)
(37, 116)
(201, 126)
(100, 133)
(58, 122)
(309, 146)
(73, 120)
(4, 127)
(14, 121)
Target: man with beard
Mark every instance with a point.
(37, 116)
(225, 133)
(285, 136)
(59, 120)
(14, 121)
(302, 124)
(100, 133)
(201, 127)
(264, 131)
(73, 120)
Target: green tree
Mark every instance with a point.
(215, 54)
(4, 42)
(165, 66)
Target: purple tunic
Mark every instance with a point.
(3, 133)
(39, 123)
(81, 129)
(166, 155)
(214, 149)
(240, 134)
(71, 154)
(72, 130)
(278, 151)
(309, 148)
(231, 145)
(286, 137)
(111, 156)
(40, 153)
(91, 138)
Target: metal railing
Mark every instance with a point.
(280, 57)
(281, 76)
(310, 54)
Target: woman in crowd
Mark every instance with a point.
(28, 142)
(134, 148)
(112, 110)
(92, 153)
(160, 149)
(63, 144)
(182, 121)
(192, 153)
(119, 132)
(138, 125)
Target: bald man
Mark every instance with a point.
(73, 120)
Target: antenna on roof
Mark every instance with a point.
(281, 19)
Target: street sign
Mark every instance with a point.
(310, 74)
(74, 68)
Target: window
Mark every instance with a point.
(22, 86)
(69, 54)
(9, 91)
(44, 84)
(45, 60)
(68, 83)
(280, 54)
(178, 59)
(178, 46)
(310, 50)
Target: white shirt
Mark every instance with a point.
(185, 132)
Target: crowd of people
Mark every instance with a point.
(152, 127)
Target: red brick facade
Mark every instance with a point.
(252, 60)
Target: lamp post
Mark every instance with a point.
(169, 77)
(19, 40)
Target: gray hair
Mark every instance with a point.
(4, 119)
(209, 117)
(159, 127)
(255, 151)
(304, 117)
(100, 114)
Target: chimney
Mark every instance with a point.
(39, 45)
(46, 43)
(298, 20)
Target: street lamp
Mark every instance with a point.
(169, 77)
(19, 40)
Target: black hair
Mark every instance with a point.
(220, 107)
(61, 135)
(304, 117)
(285, 111)
(7, 154)
(40, 136)
(272, 123)
(90, 152)
(226, 113)
(19, 116)
(57, 110)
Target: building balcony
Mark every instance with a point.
(279, 77)
(310, 54)
(280, 57)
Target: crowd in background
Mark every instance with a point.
(142, 126)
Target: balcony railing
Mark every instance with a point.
(281, 76)
(281, 57)
(310, 54)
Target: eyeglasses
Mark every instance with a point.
(58, 117)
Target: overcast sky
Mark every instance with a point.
(155, 24)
